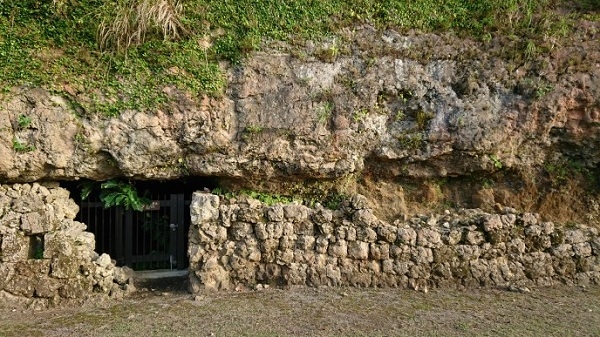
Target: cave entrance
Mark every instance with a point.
(155, 237)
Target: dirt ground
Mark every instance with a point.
(169, 311)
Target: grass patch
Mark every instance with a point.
(328, 199)
(121, 55)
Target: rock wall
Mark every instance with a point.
(389, 107)
(242, 242)
(45, 256)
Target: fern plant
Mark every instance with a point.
(117, 193)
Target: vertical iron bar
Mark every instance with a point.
(109, 229)
(101, 230)
(173, 231)
(181, 245)
(128, 237)
(119, 236)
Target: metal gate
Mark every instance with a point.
(151, 239)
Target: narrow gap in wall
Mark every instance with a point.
(154, 238)
(36, 247)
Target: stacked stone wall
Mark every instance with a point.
(45, 256)
(242, 242)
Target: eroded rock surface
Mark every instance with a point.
(390, 108)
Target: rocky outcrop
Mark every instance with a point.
(384, 109)
(46, 257)
(242, 243)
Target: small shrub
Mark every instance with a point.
(254, 129)
(411, 141)
(23, 122)
(21, 147)
(422, 118)
(360, 114)
(325, 112)
(496, 161)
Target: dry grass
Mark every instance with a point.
(561, 311)
(133, 23)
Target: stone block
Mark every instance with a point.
(583, 249)
(358, 250)
(46, 287)
(427, 237)
(529, 219)
(275, 213)
(56, 244)
(21, 285)
(407, 236)
(240, 230)
(260, 230)
(65, 267)
(275, 229)
(10, 220)
(387, 266)
(295, 213)
(379, 251)
(14, 247)
(493, 222)
(595, 244)
(286, 242)
(467, 253)
(32, 223)
(363, 218)
(78, 288)
(214, 276)
(321, 245)
(474, 237)
(351, 234)
(422, 255)
(322, 215)
(305, 242)
(339, 249)
(574, 236)
(334, 274)
(366, 234)
(387, 233)
(304, 228)
(250, 215)
(295, 274)
(359, 202)
(284, 257)
(7, 271)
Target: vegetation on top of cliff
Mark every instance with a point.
(114, 55)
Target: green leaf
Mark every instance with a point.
(108, 200)
(119, 199)
(111, 184)
(86, 189)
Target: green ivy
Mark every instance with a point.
(42, 45)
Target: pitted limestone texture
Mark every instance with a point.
(242, 242)
(46, 257)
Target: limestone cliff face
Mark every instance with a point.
(388, 112)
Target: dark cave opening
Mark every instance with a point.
(151, 238)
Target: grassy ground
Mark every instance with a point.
(558, 311)
(55, 43)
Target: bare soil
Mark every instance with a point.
(170, 311)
